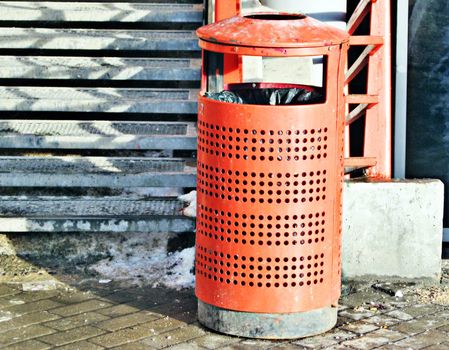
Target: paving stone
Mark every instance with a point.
(76, 321)
(288, 346)
(360, 298)
(75, 309)
(250, 345)
(390, 346)
(185, 310)
(6, 316)
(72, 335)
(357, 314)
(23, 298)
(31, 296)
(442, 315)
(28, 345)
(10, 300)
(374, 339)
(138, 346)
(443, 346)
(145, 297)
(342, 307)
(131, 330)
(327, 339)
(81, 345)
(6, 290)
(41, 305)
(188, 304)
(214, 341)
(341, 321)
(382, 321)
(185, 346)
(423, 340)
(400, 315)
(118, 310)
(359, 327)
(419, 325)
(400, 304)
(73, 297)
(136, 333)
(421, 310)
(186, 316)
(173, 337)
(21, 334)
(27, 320)
(444, 328)
(339, 347)
(128, 320)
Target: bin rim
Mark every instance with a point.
(246, 31)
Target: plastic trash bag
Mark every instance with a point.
(225, 96)
(269, 96)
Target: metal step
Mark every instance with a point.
(92, 214)
(116, 207)
(75, 134)
(105, 68)
(98, 39)
(86, 225)
(95, 172)
(114, 100)
(100, 12)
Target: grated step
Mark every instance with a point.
(106, 68)
(88, 128)
(96, 39)
(90, 165)
(105, 172)
(75, 134)
(58, 11)
(145, 224)
(114, 100)
(53, 207)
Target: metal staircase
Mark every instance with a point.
(97, 115)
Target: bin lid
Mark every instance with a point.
(275, 30)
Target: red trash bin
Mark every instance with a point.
(270, 177)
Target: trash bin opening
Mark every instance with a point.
(269, 94)
(277, 16)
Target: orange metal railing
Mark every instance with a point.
(375, 105)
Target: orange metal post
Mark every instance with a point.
(378, 117)
(226, 9)
(232, 63)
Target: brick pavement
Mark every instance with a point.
(116, 316)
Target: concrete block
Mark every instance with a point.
(393, 230)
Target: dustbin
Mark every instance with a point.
(270, 174)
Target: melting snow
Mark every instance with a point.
(153, 266)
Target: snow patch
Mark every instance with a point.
(180, 269)
(142, 266)
(189, 200)
(113, 226)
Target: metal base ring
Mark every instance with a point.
(267, 326)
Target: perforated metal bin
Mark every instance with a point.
(269, 184)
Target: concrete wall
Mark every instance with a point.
(393, 229)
